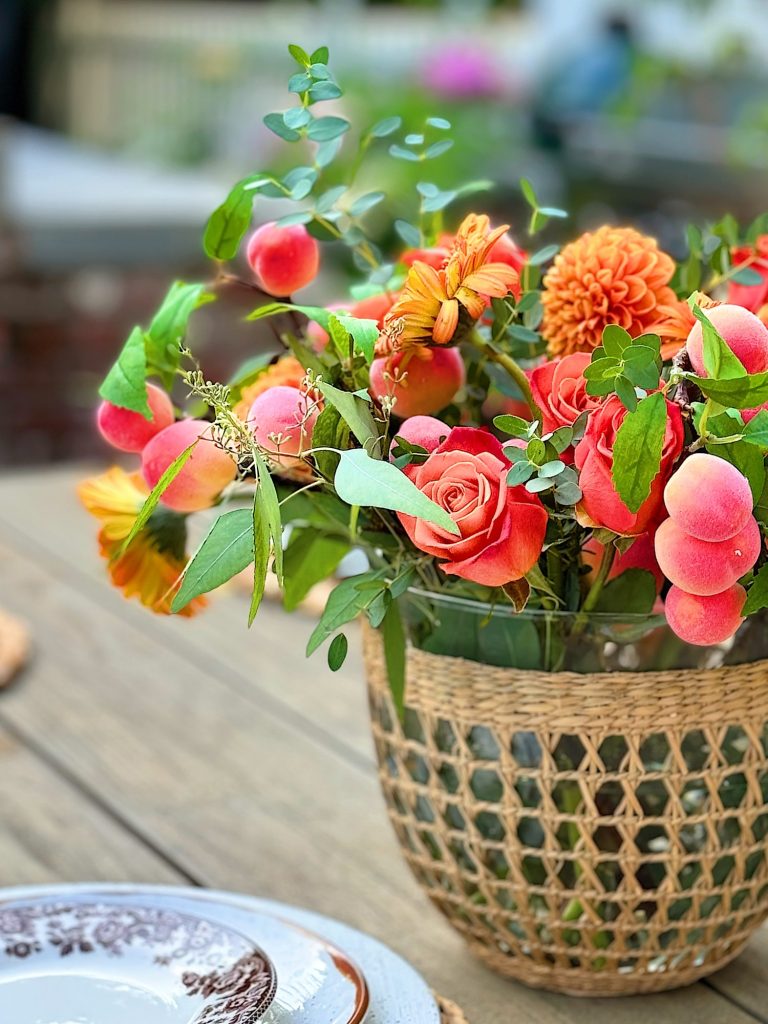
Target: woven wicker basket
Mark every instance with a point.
(597, 834)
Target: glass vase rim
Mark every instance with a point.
(478, 606)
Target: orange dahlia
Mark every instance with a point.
(427, 311)
(151, 567)
(608, 276)
(287, 371)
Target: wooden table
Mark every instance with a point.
(143, 749)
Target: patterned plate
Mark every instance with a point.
(95, 959)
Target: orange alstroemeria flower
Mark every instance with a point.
(151, 567)
(432, 299)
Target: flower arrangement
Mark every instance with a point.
(580, 429)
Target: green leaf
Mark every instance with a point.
(401, 153)
(269, 508)
(364, 333)
(361, 480)
(757, 595)
(276, 124)
(633, 591)
(438, 148)
(409, 234)
(262, 545)
(324, 91)
(226, 550)
(719, 360)
(528, 194)
(228, 223)
(156, 494)
(337, 652)
(325, 129)
(637, 450)
(394, 641)
(330, 431)
(515, 426)
(309, 558)
(355, 411)
(747, 276)
(544, 255)
(626, 392)
(169, 326)
(299, 55)
(615, 340)
(366, 202)
(734, 392)
(756, 431)
(439, 122)
(346, 601)
(126, 383)
(386, 127)
(319, 56)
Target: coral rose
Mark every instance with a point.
(601, 505)
(752, 296)
(560, 390)
(502, 528)
(608, 276)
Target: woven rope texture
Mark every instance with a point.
(592, 834)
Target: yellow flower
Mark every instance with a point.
(432, 300)
(151, 567)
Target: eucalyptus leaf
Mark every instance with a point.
(346, 601)
(226, 550)
(394, 641)
(309, 558)
(156, 494)
(337, 652)
(355, 411)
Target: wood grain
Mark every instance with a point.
(237, 763)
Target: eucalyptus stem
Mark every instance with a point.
(514, 370)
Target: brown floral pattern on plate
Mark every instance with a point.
(237, 976)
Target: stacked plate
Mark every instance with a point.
(91, 954)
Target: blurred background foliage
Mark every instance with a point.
(123, 123)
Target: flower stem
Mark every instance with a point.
(514, 370)
(593, 596)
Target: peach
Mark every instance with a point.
(129, 431)
(204, 475)
(419, 385)
(374, 307)
(284, 259)
(705, 567)
(705, 620)
(749, 414)
(709, 498)
(744, 334)
(425, 431)
(282, 419)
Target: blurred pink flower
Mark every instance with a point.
(462, 70)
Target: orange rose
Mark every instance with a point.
(560, 390)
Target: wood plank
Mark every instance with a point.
(240, 794)
(49, 832)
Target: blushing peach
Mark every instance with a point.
(374, 307)
(705, 620)
(705, 567)
(204, 475)
(128, 431)
(420, 385)
(744, 334)
(284, 259)
(425, 431)
(282, 419)
(749, 414)
(709, 498)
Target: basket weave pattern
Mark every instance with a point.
(593, 834)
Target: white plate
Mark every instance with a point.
(398, 995)
(86, 959)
